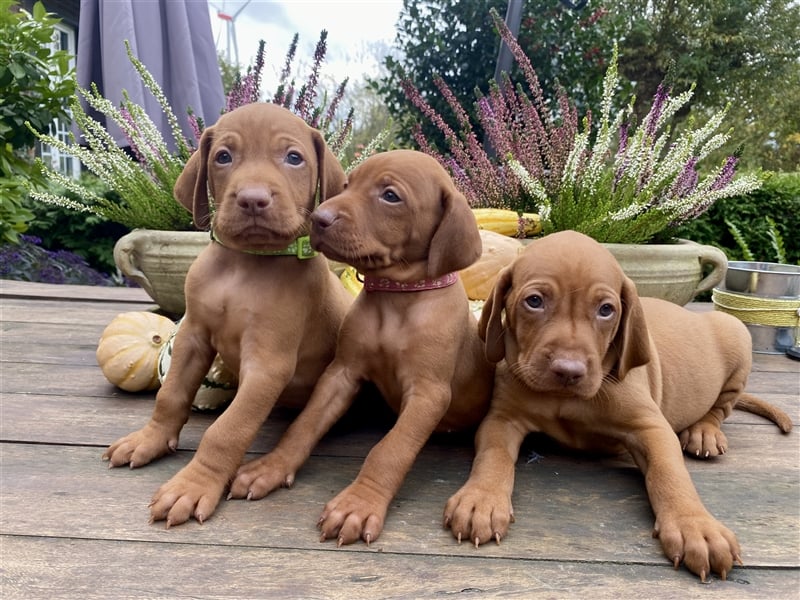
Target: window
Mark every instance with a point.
(63, 39)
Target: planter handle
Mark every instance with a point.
(125, 257)
(709, 255)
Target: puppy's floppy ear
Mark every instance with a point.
(632, 342)
(456, 243)
(490, 325)
(330, 173)
(191, 187)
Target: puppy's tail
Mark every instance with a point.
(757, 406)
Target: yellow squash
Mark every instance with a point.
(508, 222)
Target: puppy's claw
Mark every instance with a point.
(738, 560)
(367, 538)
(497, 537)
(676, 562)
(322, 538)
(723, 575)
(703, 576)
(477, 542)
(459, 537)
(249, 494)
(340, 542)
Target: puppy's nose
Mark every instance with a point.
(253, 200)
(323, 217)
(569, 371)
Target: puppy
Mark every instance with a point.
(583, 359)
(401, 223)
(258, 295)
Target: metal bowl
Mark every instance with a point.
(764, 279)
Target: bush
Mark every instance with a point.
(35, 84)
(778, 198)
(89, 235)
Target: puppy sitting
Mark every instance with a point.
(401, 223)
(258, 295)
(589, 363)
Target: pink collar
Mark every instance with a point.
(382, 284)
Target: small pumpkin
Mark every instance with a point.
(498, 251)
(128, 349)
(218, 387)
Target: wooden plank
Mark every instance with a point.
(80, 312)
(33, 290)
(40, 568)
(567, 509)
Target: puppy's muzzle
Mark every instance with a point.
(323, 218)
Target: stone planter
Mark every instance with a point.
(675, 272)
(159, 260)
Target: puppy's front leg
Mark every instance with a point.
(191, 358)
(359, 510)
(686, 530)
(196, 489)
(481, 510)
(333, 395)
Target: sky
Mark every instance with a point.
(355, 29)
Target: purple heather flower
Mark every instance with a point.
(659, 100)
(686, 181)
(726, 174)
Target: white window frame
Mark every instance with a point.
(63, 39)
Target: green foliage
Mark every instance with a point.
(746, 217)
(86, 234)
(35, 82)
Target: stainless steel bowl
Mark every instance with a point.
(764, 279)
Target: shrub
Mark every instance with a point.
(778, 199)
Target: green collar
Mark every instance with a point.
(300, 248)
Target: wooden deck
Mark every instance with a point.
(72, 528)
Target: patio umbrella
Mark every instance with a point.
(173, 39)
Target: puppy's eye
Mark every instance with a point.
(534, 301)
(390, 197)
(223, 157)
(606, 310)
(294, 159)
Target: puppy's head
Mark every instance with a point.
(400, 217)
(255, 175)
(564, 317)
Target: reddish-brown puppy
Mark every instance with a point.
(583, 359)
(257, 295)
(402, 223)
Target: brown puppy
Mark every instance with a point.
(257, 295)
(401, 223)
(588, 362)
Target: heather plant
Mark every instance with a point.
(143, 176)
(611, 179)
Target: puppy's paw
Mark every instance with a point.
(478, 515)
(358, 512)
(703, 440)
(141, 447)
(701, 542)
(188, 494)
(257, 478)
